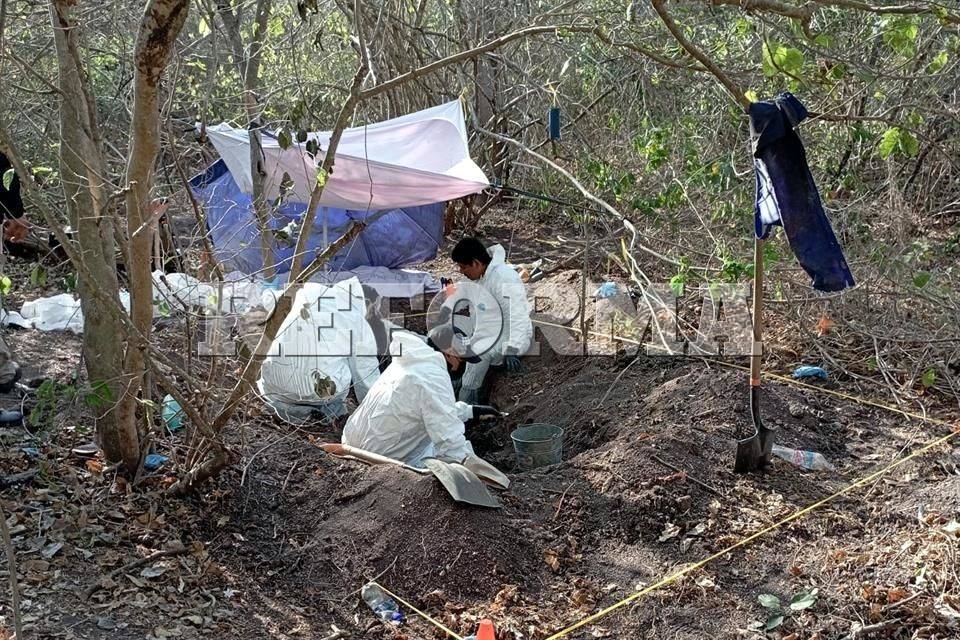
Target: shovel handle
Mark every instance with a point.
(368, 456)
(757, 312)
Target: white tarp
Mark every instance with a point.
(416, 159)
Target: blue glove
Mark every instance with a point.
(512, 364)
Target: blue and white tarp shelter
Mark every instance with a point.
(396, 174)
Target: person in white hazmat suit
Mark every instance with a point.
(410, 413)
(500, 313)
(324, 346)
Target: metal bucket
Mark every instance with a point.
(537, 445)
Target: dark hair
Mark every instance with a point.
(468, 250)
(443, 338)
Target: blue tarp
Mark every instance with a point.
(394, 239)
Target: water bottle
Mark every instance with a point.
(381, 604)
(809, 460)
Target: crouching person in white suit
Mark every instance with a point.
(324, 347)
(500, 314)
(410, 413)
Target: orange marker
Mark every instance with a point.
(486, 631)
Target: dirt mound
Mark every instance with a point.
(344, 523)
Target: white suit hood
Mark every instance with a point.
(410, 413)
(505, 285)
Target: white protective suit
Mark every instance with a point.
(410, 413)
(324, 346)
(508, 329)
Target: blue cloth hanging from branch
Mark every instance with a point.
(787, 195)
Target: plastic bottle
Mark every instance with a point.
(809, 460)
(381, 604)
(171, 413)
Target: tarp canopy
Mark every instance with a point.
(394, 174)
(419, 158)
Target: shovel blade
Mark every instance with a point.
(462, 484)
(749, 456)
(754, 452)
(486, 471)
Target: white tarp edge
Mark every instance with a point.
(416, 159)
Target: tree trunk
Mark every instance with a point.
(83, 172)
(161, 23)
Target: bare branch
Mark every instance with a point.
(735, 92)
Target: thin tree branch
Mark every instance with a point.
(735, 91)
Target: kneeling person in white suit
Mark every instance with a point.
(324, 346)
(410, 413)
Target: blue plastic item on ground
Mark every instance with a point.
(808, 371)
(154, 461)
(607, 290)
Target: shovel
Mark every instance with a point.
(346, 451)
(462, 484)
(486, 471)
(753, 452)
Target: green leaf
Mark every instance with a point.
(889, 142)
(837, 71)
(769, 601)
(70, 282)
(284, 139)
(803, 600)
(921, 279)
(677, 284)
(773, 622)
(769, 69)
(938, 63)
(752, 96)
(5, 284)
(99, 395)
(302, 135)
(202, 27)
(900, 34)
(792, 60)
(8, 178)
(38, 275)
(321, 177)
(163, 308)
(929, 378)
(908, 144)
